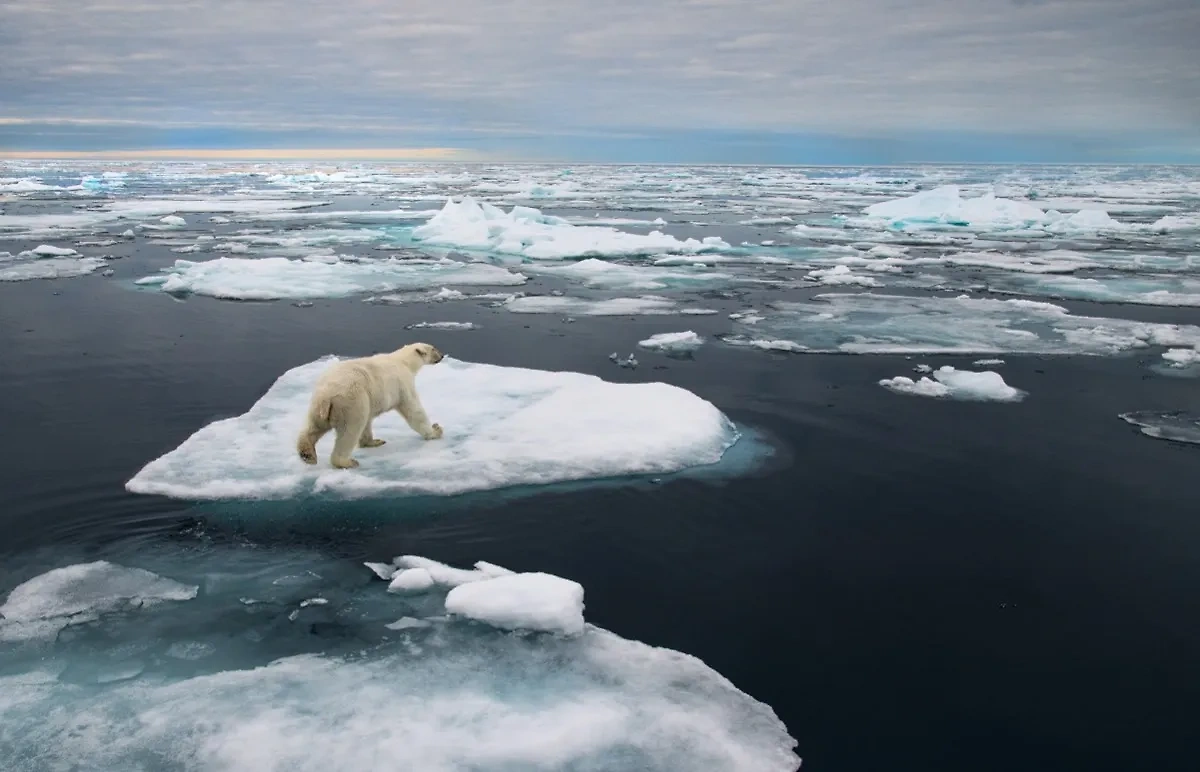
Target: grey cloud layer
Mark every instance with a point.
(852, 65)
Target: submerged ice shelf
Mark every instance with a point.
(290, 660)
(504, 427)
(868, 323)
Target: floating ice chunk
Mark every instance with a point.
(646, 305)
(1083, 220)
(271, 278)
(23, 185)
(503, 426)
(533, 601)
(175, 221)
(1175, 223)
(630, 362)
(944, 205)
(128, 234)
(411, 580)
(217, 219)
(1182, 357)
(441, 326)
(46, 250)
(1176, 426)
(1147, 289)
(598, 273)
(986, 386)
(923, 369)
(867, 323)
(987, 362)
(42, 606)
(448, 576)
(673, 342)
(50, 268)
(408, 623)
(780, 220)
(384, 571)
(472, 225)
(840, 275)
(764, 344)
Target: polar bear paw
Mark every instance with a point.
(348, 463)
(375, 443)
(435, 432)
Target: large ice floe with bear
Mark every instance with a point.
(504, 427)
(271, 278)
(237, 658)
(868, 323)
(469, 224)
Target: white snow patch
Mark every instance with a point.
(503, 426)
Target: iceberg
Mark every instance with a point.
(646, 305)
(473, 225)
(272, 278)
(75, 594)
(673, 342)
(504, 426)
(598, 273)
(371, 680)
(1174, 426)
(868, 323)
(986, 386)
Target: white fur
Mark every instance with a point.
(350, 394)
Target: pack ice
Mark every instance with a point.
(867, 323)
(944, 205)
(271, 278)
(295, 661)
(474, 225)
(504, 426)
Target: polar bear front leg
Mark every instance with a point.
(414, 415)
(368, 440)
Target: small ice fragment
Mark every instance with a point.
(673, 342)
(986, 386)
(173, 220)
(411, 580)
(532, 601)
(408, 623)
(923, 369)
(384, 571)
(314, 602)
(987, 362)
(628, 362)
(128, 234)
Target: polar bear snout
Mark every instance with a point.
(431, 354)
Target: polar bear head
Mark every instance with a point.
(426, 353)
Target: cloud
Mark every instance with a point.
(487, 67)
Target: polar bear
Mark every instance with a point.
(352, 393)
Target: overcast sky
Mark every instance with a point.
(589, 78)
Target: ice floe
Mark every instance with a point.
(840, 275)
(986, 386)
(1146, 289)
(1175, 426)
(253, 677)
(868, 323)
(673, 342)
(645, 305)
(599, 273)
(945, 206)
(469, 224)
(504, 426)
(49, 268)
(80, 593)
(271, 278)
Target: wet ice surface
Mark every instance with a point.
(285, 659)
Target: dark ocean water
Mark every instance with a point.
(909, 583)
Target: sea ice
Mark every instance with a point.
(46, 250)
(646, 305)
(599, 273)
(840, 275)
(271, 278)
(986, 386)
(473, 225)
(673, 342)
(395, 683)
(504, 426)
(1146, 289)
(411, 580)
(987, 362)
(49, 268)
(944, 206)
(531, 601)
(867, 323)
(175, 221)
(1182, 357)
(79, 593)
(1175, 426)
(442, 326)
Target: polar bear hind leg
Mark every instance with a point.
(350, 418)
